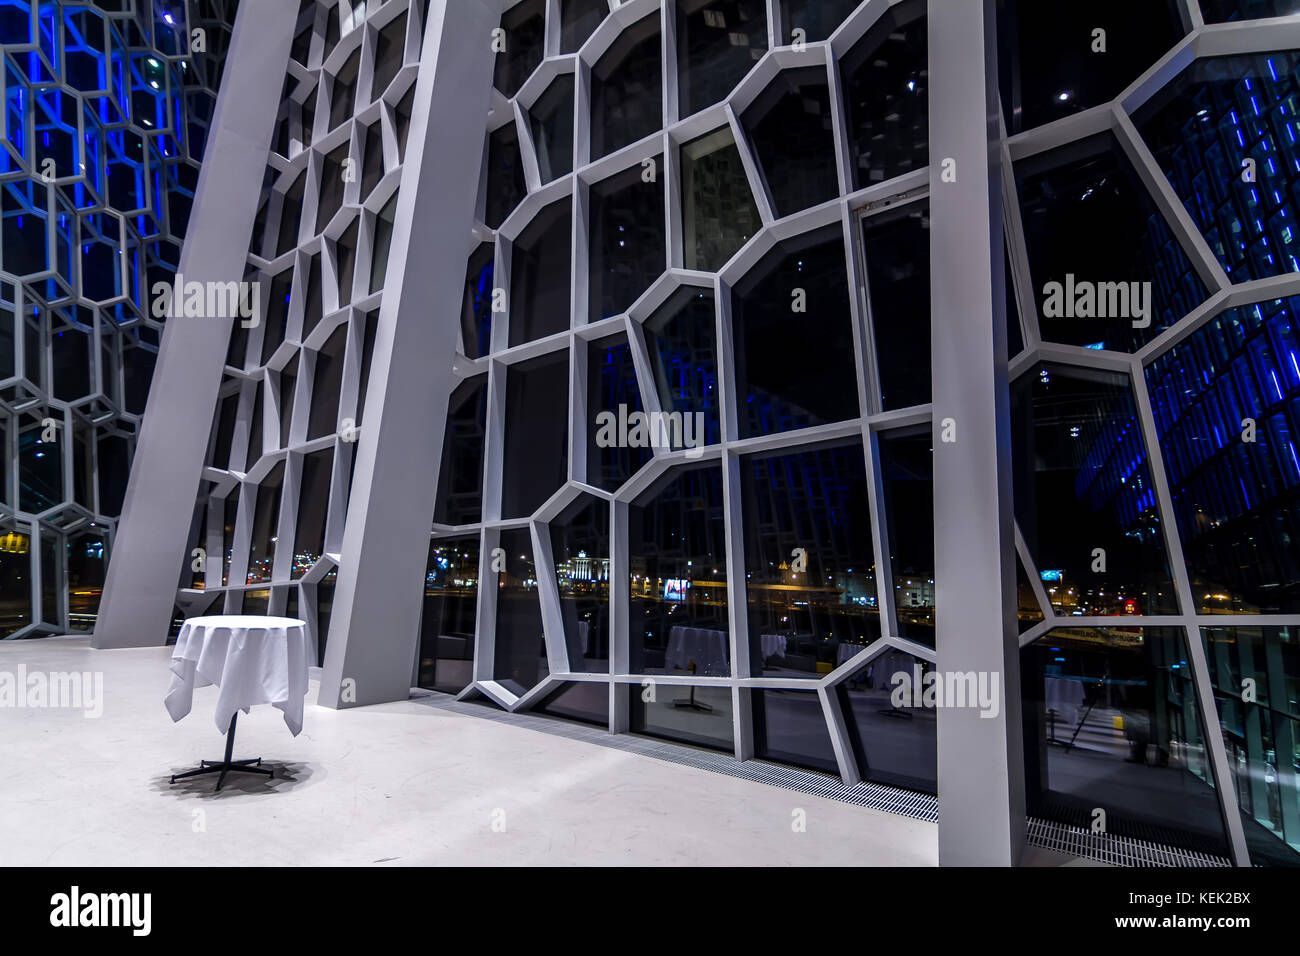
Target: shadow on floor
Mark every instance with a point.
(287, 776)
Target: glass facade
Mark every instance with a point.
(106, 114)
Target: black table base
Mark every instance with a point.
(225, 766)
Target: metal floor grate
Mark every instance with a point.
(1112, 849)
(919, 806)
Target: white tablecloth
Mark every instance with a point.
(252, 660)
(706, 647)
(773, 645)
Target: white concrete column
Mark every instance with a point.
(145, 564)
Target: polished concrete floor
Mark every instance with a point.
(396, 784)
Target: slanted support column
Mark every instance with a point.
(144, 570)
(981, 770)
(377, 601)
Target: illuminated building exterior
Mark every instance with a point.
(780, 215)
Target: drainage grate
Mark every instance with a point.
(1115, 850)
(876, 796)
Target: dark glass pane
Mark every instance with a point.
(1221, 11)
(1051, 63)
(536, 437)
(1218, 115)
(789, 726)
(886, 97)
(71, 361)
(447, 625)
(1261, 731)
(627, 249)
(225, 431)
(520, 658)
(692, 715)
(551, 121)
(580, 549)
(266, 518)
(1028, 612)
(347, 262)
(288, 382)
(619, 436)
(230, 510)
(313, 308)
(907, 476)
(460, 478)
(626, 89)
(811, 582)
(40, 464)
(1015, 337)
(326, 379)
(49, 580)
(15, 581)
(1083, 493)
(290, 216)
(87, 562)
(718, 211)
(587, 701)
(505, 175)
(255, 602)
(521, 38)
(1102, 259)
(893, 738)
(677, 554)
(476, 308)
(256, 442)
(789, 128)
(277, 315)
(383, 240)
(324, 607)
(792, 372)
(718, 41)
(540, 275)
(578, 19)
(372, 160)
(896, 247)
(1237, 502)
(371, 320)
(331, 186)
(389, 50)
(313, 505)
(818, 19)
(681, 338)
(343, 94)
(1112, 722)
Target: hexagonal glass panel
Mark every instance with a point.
(906, 461)
(891, 730)
(1084, 498)
(626, 89)
(1053, 62)
(811, 581)
(718, 211)
(520, 658)
(505, 175)
(313, 507)
(896, 248)
(536, 453)
(790, 726)
(792, 372)
(551, 122)
(540, 275)
(700, 716)
(266, 519)
(817, 19)
(886, 97)
(1223, 133)
(450, 605)
(619, 438)
(1107, 271)
(476, 307)
(718, 42)
(519, 47)
(789, 128)
(627, 249)
(678, 564)
(580, 550)
(681, 338)
(460, 479)
(1112, 721)
(1226, 403)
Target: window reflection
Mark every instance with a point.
(718, 211)
(447, 623)
(460, 478)
(907, 473)
(894, 739)
(789, 127)
(718, 41)
(520, 660)
(677, 554)
(580, 549)
(681, 338)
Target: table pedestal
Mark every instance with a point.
(227, 765)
